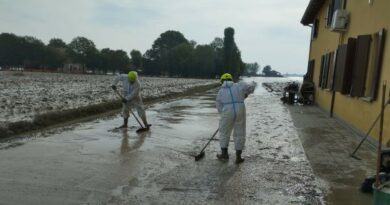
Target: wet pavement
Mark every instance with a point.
(90, 163)
(328, 144)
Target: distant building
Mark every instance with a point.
(16, 69)
(72, 68)
(349, 59)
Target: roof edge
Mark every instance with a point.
(311, 11)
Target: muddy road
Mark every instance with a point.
(89, 163)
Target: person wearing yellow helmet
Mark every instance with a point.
(230, 105)
(132, 75)
(132, 96)
(226, 77)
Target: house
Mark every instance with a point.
(349, 60)
(72, 68)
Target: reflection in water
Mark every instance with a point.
(126, 147)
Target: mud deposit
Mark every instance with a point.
(24, 95)
(32, 101)
(92, 164)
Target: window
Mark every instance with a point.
(326, 71)
(333, 6)
(329, 84)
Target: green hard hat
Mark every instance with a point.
(132, 76)
(226, 76)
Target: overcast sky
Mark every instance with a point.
(266, 31)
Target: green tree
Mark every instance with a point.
(180, 60)
(218, 46)
(267, 70)
(204, 62)
(229, 48)
(232, 55)
(159, 54)
(120, 61)
(55, 57)
(83, 51)
(136, 58)
(193, 43)
(56, 53)
(251, 68)
(11, 52)
(57, 43)
(33, 51)
(106, 60)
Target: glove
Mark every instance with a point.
(113, 87)
(124, 101)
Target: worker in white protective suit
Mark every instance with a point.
(230, 105)
(132, 96)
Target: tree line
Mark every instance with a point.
(171, 55)
(252, 69)
(30, 52)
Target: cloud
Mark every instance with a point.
(266, 31)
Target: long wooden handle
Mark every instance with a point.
(378, 162)
(215, 133)
(117, 92)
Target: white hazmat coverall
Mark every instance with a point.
(131, 92)
(230, 105)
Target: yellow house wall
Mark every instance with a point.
(364, 19)
(325, 42)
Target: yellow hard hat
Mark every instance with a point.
(226, 76)
(132, 76)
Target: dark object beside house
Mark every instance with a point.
(289, 93)
(384, 172)
(306, 93)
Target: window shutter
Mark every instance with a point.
(331, 70)
(321, 72)
(378, 63)
(360, 65)
(347, 81)
(326, 71)
(344, 66)
(341, 61)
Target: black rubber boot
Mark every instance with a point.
(146, 124)
(239, 159)
(224, 155)
(124, 123)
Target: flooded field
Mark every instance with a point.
(92, 163)
(26, 94)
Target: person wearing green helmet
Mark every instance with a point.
(231, 107)
(132, 96)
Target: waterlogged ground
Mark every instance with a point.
(23, 95)
(91, 163)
